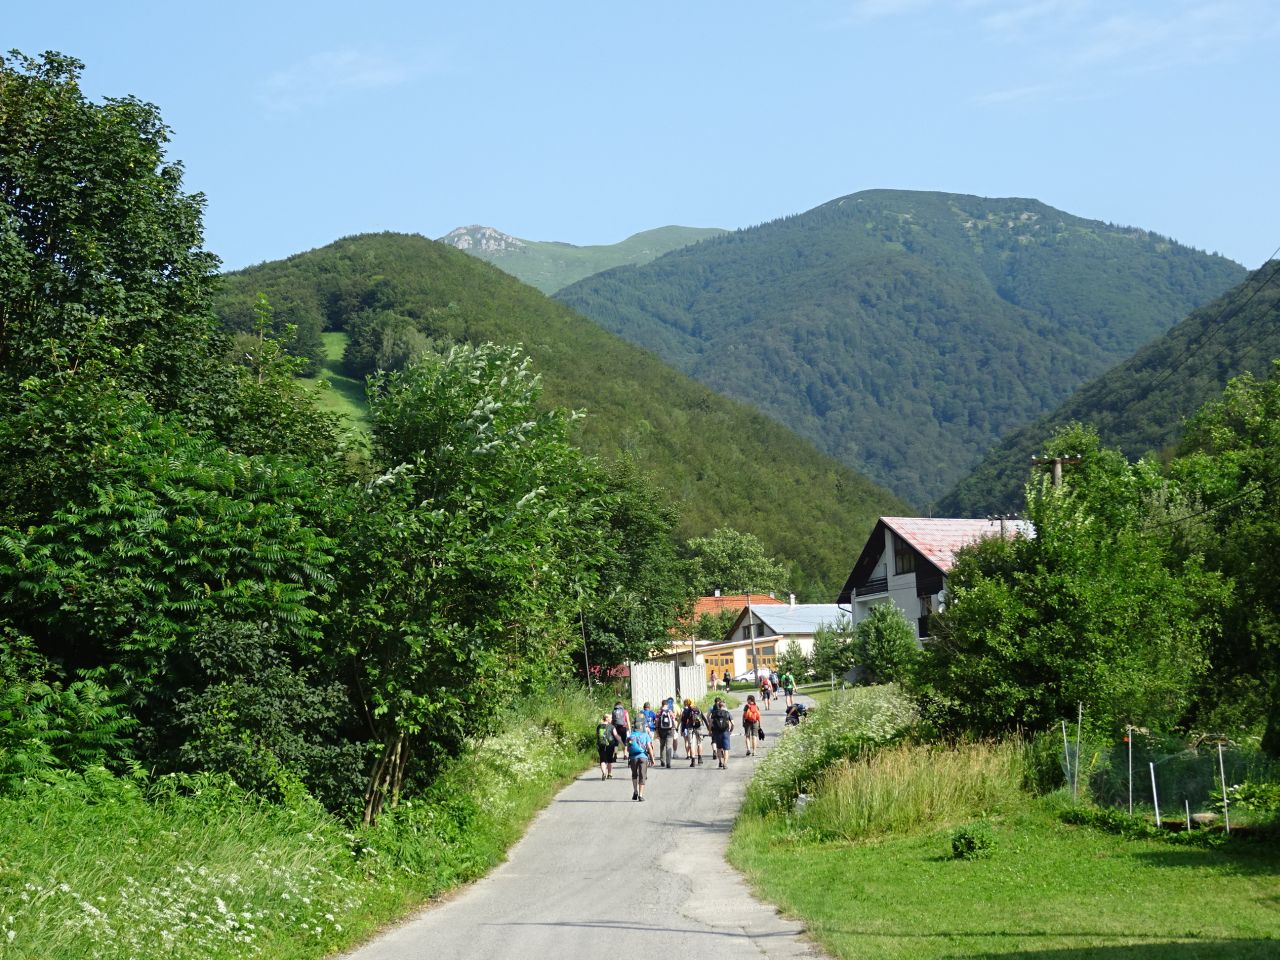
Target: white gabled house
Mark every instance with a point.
(761, 633)
(906, 561)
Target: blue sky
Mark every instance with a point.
(586, 122)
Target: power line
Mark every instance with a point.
(1245, 491)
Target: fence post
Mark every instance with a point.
(1222, 772)
(1154, 798)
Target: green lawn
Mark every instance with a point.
(337, 392)
(1048, 891)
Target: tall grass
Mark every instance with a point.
(904, 787)
(844, 727)
(98, 866)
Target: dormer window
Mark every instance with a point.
(904, 558)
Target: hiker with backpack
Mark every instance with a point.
(750, 724)
(692, 724)
(766, 691)
(639, 756)
(606, 746)
(721, 722)
(667, 722)
(621, 720)
(789, 688)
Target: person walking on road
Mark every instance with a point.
(789, 688)
(692, 724)
(667, 724)
(650, 717)
(606, 746)
(639, 756)
(750, 724)
(766, 691)
(621, 721)
(721, 722)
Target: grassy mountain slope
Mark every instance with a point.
(903, 332)
(549, 266)
(721, 461)
(1141, 405)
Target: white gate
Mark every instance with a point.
(654, 681)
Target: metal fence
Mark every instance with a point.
(654, 682)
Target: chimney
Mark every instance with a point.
(717, 591)
(793, 599)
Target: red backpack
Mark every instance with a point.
(751, 714)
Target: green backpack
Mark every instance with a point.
(604, 734)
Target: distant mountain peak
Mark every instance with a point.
(479, 239)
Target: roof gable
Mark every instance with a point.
(935, 539)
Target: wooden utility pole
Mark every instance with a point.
(1057, 463)
(1002, 517)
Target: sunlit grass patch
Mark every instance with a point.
(907, 786)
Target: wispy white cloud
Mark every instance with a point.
(323, 76)
(1087, 44)
(1172, 37)
(881, 9)
(1017, 18)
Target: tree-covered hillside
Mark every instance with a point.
(549, 266)
(905, 332)
(1141, 405)
(722, 463)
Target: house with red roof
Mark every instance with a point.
(906, 561)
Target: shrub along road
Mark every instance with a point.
(599, 875)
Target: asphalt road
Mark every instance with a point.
(601, 876)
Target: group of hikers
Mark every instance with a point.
(653, 736)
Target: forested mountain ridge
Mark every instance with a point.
(722, 462)
(1142, 404)
(905, 332)
(549, 265)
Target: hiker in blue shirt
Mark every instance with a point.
(639, 756)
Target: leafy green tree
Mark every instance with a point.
(642, 587)
(734, 562)
(885, 646)
(833, 652)
(382, 340)
(173, 529)
(465, 553)
(1096, 608)
(100, 250)
(1231, 457)
(714, 627)
(791, 659)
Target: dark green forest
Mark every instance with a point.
(721, 462)
(1141, 406)
(905, 332)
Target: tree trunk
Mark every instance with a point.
(387, 777)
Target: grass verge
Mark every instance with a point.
(1045, 891)
(881, 829)
(97, 866)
